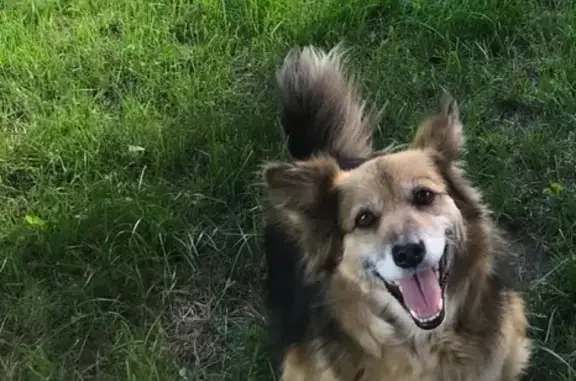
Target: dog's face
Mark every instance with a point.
(391, 222)
(399, 228)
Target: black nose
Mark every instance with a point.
(408, 255)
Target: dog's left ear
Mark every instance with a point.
(443, 132)
(300, 187)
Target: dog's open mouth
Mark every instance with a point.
(422, 294)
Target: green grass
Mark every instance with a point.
(131, 130)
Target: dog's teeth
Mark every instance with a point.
(440, 303)
(428, 319)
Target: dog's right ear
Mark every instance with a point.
(300, 187)
(443, 132)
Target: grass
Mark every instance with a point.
(131, 130)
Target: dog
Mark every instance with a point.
(381, 266)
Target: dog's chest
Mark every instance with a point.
(427, 361)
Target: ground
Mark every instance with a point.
(132, 132)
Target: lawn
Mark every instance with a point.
(132, 130)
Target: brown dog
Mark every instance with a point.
(381, 267)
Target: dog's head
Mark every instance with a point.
(393, 224)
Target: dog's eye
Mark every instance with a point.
(365, 219)
(423, 197)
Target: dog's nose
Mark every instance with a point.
(408, 255)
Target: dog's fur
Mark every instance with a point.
(330, 318)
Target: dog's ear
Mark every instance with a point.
(301, 187)
(443, 132)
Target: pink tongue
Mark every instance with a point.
(422, 293)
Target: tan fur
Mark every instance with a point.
(436, 357)
(483, 337)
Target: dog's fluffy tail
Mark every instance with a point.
(322, 111)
